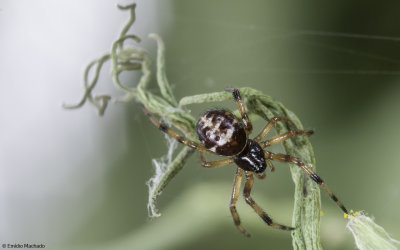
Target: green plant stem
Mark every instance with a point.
(368, 235)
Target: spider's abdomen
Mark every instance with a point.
(251, 158)
(221, 132)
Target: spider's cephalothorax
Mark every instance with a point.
(251, 158)
(221, 133)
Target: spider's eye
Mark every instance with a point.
(221, 132)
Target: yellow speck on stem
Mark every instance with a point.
(351, 215)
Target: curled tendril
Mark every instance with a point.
(99, 101)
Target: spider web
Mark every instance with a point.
(345, 46)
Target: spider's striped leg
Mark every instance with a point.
(246, 192)
(284, 137)
(271, 124)
(232, 205)
(307, 170)
(242, 109)
(215, 164)
(163, 127)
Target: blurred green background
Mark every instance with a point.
(336, 65)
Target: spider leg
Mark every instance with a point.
(271, 124)
(284, 137)
(246, 192)
(308, 171)
(214, 164)
(242, 109)
(260, 176)
(270, 165)
(263, 175)
(232, 205)
(163, 127)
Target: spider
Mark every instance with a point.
(222, 133)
